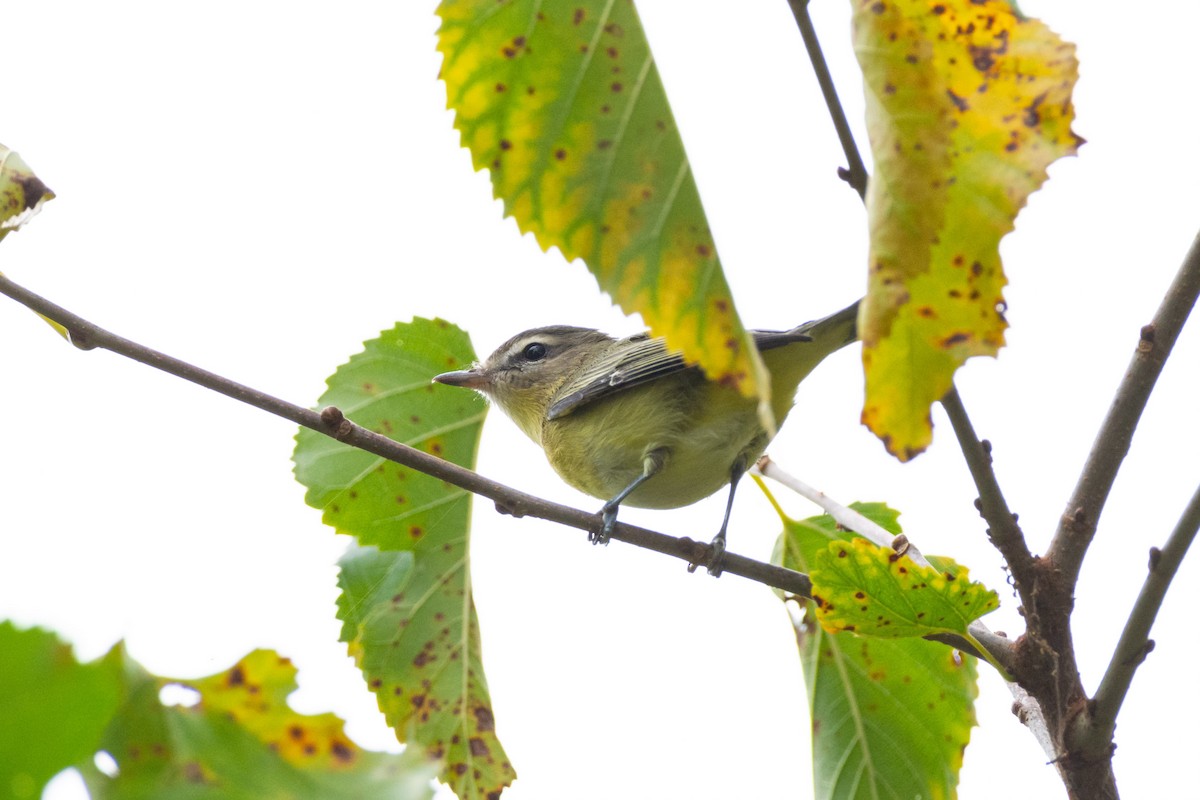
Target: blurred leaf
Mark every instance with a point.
(967, 104)
(21, 197)
(242, 741)
(890, 717)
(562, 102)
(53, 709)
(861, 587)
(21, 192)
(406, 603)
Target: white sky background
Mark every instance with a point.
(257, 187)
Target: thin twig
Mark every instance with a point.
(1003, 529)
(1078, 524)
(856, 173)
(330, 422)
(1095, 735)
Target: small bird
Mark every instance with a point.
(630, 422)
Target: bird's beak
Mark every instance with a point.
(467, 378)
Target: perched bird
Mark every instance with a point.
(628, 421)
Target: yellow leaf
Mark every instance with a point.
(563, 104)
(967, 104)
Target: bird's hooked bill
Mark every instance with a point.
(468, 378)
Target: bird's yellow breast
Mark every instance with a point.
(701, 428)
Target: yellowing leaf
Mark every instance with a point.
(967, 104)
(562, 102)
(21, 192)
(873, 591)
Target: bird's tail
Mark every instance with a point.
(835, 331)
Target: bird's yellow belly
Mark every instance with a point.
(601, 449)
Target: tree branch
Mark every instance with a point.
(330, 422)
(1093, 737)
(1003, 530)
(856, 173)
(1078, 524)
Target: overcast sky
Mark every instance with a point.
(258, 187)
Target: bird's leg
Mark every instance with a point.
(651, 464)
(716, 564)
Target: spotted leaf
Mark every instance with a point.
(890, 717)
(563, 104)
(238, 739)
(874, 591)
(967, 105)
(406, 605)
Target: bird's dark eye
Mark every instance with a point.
(534, 352)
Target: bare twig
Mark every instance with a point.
(1078, 524)
(1003, 529)
(330, 422)
(1094, 736)
(856, 173)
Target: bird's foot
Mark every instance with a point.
(608, 521)
(716, 562)
(713, 555)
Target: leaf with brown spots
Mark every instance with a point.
(239, 741)
(890, 717)
(563, 104)
(411, 626)
(406, 606)
(967, 105)
(873, 591)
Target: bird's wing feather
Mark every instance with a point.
(641, 361)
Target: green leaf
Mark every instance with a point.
(53, 709)
(406, 604)
(387, 388)
(890, 717)
(241, 740)
(563, 104)
(418, 647)
(868, 589)
(967, 104)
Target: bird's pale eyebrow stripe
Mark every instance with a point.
(520, 344)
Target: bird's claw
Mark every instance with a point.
(716, 561)
(608, 521)
(714, 554)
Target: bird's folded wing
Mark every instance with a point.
(637, 361)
